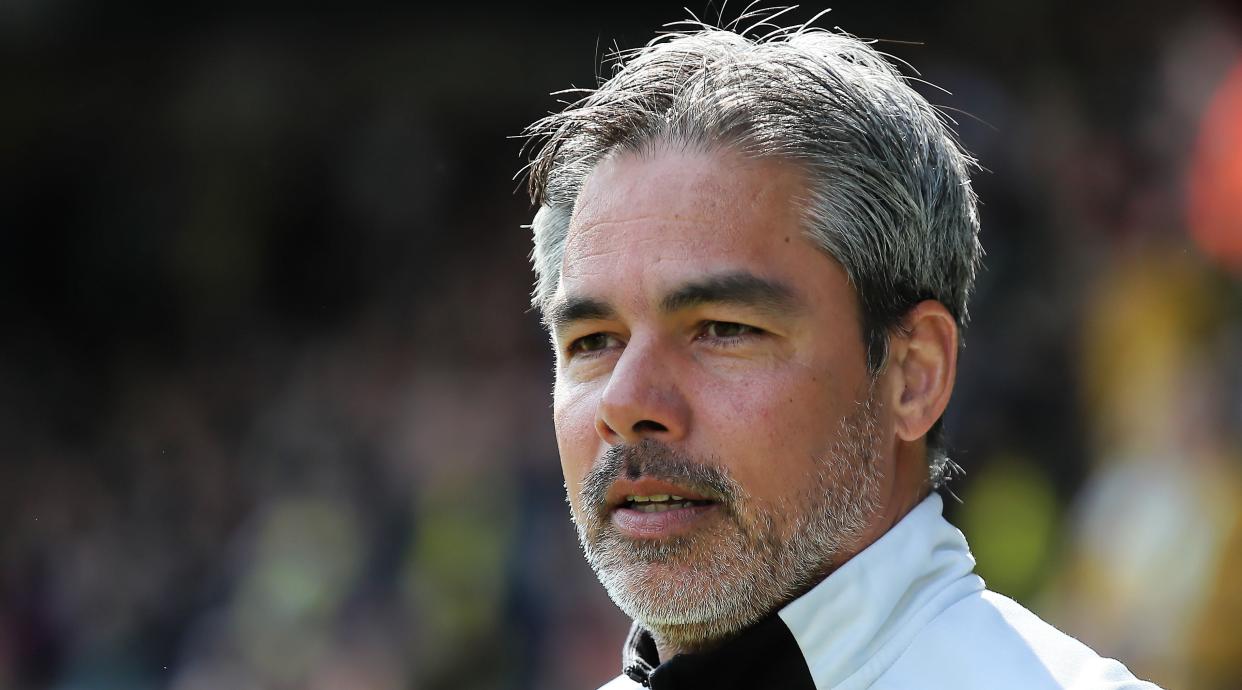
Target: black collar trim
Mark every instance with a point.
(766, 655)
(639, 657)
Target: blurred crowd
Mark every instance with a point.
(274, 412)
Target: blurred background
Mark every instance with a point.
(274, 413)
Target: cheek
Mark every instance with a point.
(769, 429)
(573, 415)
(769, 404)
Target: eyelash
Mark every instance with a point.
(747, 332)
(574, 348)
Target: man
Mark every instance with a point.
(754, 258)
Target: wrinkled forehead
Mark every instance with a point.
(686, 183)
(649, 225)
(685, 173)
(685, 199)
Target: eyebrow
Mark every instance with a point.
(739, 288)
(574, 309)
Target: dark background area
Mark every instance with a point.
(274, 412)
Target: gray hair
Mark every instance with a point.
(889, 194)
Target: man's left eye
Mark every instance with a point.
(727, 329)
(591, 344)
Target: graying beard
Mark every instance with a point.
(757, 570)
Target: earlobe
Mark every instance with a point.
(923, 366)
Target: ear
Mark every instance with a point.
(921, 368)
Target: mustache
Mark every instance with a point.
(655, 460)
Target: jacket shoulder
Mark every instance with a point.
(987, 640)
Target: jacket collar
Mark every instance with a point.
(854, 624)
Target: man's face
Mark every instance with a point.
(717, 426)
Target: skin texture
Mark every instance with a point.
(754, 387)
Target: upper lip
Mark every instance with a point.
(650, 487)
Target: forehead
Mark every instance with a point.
(653, 213)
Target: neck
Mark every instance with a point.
(911, 484)
(667, 650)
(670, 645)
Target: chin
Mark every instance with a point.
(684, 602)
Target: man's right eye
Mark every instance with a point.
(589, 344)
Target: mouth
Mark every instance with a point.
(659, 503)
(648, 495)
(655, 509)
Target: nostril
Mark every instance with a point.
(648, 425)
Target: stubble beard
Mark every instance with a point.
(695, 589)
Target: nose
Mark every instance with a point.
(643, 398)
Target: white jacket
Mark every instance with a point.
(907, 613)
